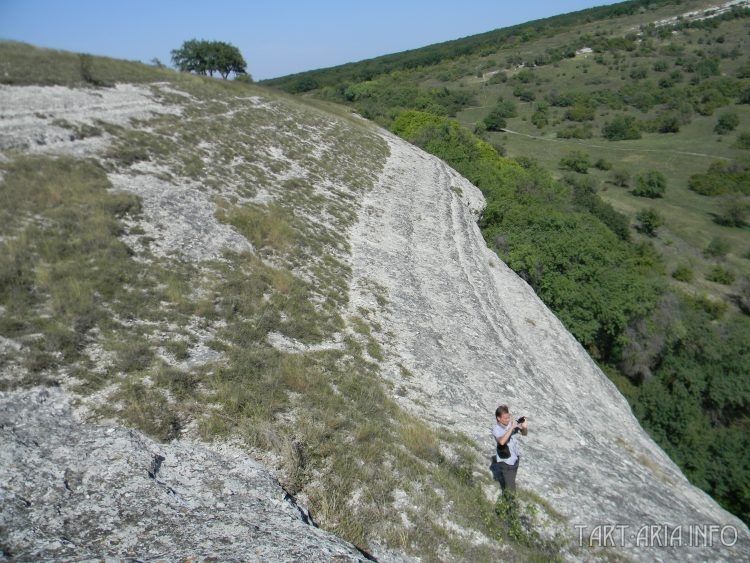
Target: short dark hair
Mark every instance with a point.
(501, 410)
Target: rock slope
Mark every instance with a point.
(79, 491)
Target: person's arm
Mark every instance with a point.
(525, 427)
(502, 440)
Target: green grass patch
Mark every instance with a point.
(23, 64)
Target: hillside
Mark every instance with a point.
(629, 211)
(235, 272)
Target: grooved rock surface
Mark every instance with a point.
(472, 335)
(77, 491)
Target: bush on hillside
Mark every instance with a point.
(669, 124)
(649, 220)
(581, 132)
(524, 94)
(580, 112)
(727, 122)
(540, 117)
(719, 247)
(722, 178)
(683, 273)
(733, 211)
(722, 275)
(576, 161)
(621, 128)
(743, 141)
(621, 178)
(651, 184)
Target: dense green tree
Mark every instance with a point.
(696, 404)
(622, 127)
(722, 178)
(496, 120)
(727, 122)
(207, 57)
(669, 124)
(226, 59)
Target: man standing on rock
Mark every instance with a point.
(506, 460)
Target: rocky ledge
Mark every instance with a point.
(75, 490)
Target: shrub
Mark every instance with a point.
(576, 161)
(494, 122)
(524, 94)
(540, 118)
(580, 112)
(602, 164)
(648, 221)
(742, 297)
(718, 247)
(582, 132)
(721, 178)
(621, 128)
(506, 109)
(651, 184)
(743, 141)
(722, 275)
(621, 178)
(727, 122)
(683, 273)
(669, 124)
(733, 211)
(639, 73)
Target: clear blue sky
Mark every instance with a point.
(276, 37)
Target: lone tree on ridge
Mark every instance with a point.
(206, 57)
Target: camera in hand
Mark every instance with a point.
(521, 420)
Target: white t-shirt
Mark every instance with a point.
(498, 432)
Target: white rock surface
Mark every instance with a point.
(72, 491)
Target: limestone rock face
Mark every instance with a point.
(77, 491)
(472, 335)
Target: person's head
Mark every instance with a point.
(502, 414)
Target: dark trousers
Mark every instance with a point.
(505, 474)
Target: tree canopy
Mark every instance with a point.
(206, 57)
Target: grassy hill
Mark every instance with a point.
(596, 107)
